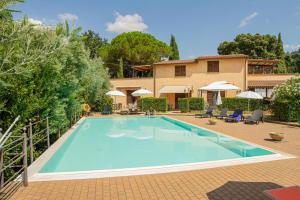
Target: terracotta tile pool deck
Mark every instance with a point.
(243, 182)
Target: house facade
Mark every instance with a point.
(183, 78)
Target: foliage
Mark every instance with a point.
(93, 42)
(183, 104)
(152, 103)
(288, 91)
(285, 111)
(196, 103)
(174, 49)
(255, 46)
(121, 69)
(293, 61)
(241, 103)
(45, 71)
(5, 11)
(135, 48)
(101, 101)
(280, 54)
(192, 103)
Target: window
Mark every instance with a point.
(180, 70)
(212, 66)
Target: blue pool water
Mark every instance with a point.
(131, 142)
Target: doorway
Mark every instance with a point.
(129, 98)
(177, 96)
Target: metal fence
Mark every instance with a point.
(19, 147)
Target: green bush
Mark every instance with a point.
(152, 103)
(285, 111)
(240, 103)
(101, 101)
(183, 104)
(196, 103)
(188, 104)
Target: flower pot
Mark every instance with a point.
(277, 136)
(212, 121)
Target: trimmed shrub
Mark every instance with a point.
(196, 103)
(188, 104)
(240, 103)
(152, 103)
(284, 111)
(183, 104)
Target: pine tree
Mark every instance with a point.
(120, 70)
(174, 49)
(280, 54)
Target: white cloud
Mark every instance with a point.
(126, 23)
(67, 17)
(291, 47)
(244, 22)
(35, 21)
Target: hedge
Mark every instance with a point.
(188, 104)
(101, 101)
(152, 103)
(183, 104)
(240, 103)
(285, 111)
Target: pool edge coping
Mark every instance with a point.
(36, 166)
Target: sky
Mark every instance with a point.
(199, 26)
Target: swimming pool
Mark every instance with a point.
(116, 143)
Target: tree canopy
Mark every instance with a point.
(255, 46)
(174, 49)
(292, 60)
(135, 48)
(93, 42)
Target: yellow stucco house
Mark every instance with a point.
(182, 78)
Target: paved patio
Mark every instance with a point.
(234, 182)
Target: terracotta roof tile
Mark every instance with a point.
(264, 83)
(222, 56)
(175, 62)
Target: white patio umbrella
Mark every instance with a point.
(115, 93)
(249, 95)
(141, 92)
(219, 99)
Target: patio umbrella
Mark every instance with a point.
(249, 95)
(115, 93)
(140, 93)
(219, 99)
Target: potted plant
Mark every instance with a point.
(212, 121)
(276, 136)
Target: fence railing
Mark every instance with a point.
(33, 139)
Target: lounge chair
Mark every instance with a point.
(106, 110)
(237, 116)
(133, 109)
(255, 118)
(222, 114)
(208, 113)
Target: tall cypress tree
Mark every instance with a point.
(280, 54)
(120, 73)
(174, 48)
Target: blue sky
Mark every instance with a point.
(199, 26)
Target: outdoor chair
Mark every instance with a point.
(222, 114)
(207, 114)
(255, 118)
(106, 110)
(237, 116)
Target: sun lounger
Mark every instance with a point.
(222, 114)
(288, 193)
(255, 118)
(207, 114)
(235, 117)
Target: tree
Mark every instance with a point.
(135, 48)
(255, 46)
(121, 69)
(280, 54)
(93, 42)
(292, 61)
(174, 49)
